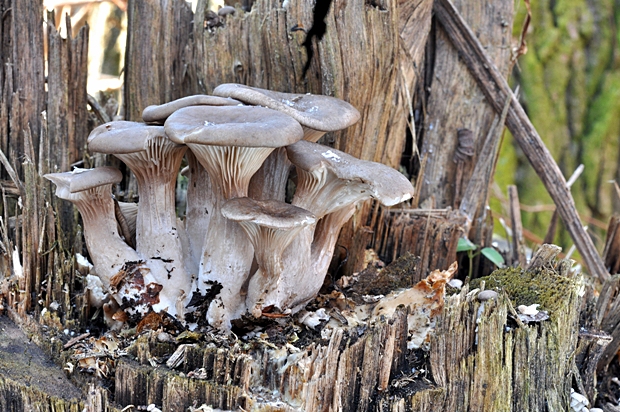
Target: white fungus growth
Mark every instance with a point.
(240, 146)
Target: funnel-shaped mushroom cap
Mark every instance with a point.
(318, 112)
(383, 183)
(159, 113)
(269, 213)
(244, 126)
(271, 226)
(79, 180)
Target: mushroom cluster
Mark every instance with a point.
(240, 248)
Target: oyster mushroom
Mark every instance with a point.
(317, 114)
(155, 161)
(90, 191)
(271, 226)
(159, 113)
(330, 184)
(231, 142)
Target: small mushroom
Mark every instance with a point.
(271, 226)
(230, 142)
(225, 11)
(90, 191)
(487, 295)
(317, 114)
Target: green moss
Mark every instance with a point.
(570, 88)
(544, 287)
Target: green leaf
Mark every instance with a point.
(464, 245)
(494, 256)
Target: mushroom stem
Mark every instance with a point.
(325, 238)
(269, 182)
(227, 252)
(90, 192)
(271, 225)
(199, 209)
(156, 169)
(101, 234)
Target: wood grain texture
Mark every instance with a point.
(456, 102)
(157, 33)
(358, 60)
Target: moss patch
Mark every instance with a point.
(543, 286)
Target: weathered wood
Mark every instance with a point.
(28, 379)
(476, 347)
(341, 374)
(456, 103)
(24, 91)
(430, 234)
(517, 249)
(496, 90)
(67, 129)
(590, 347)
(154, 67)
(611, 253)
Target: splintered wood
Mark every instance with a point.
(430, 234)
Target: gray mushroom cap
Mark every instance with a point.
(385, 184)
(318, 112)
(271, 214)
(122, 137)
(243, 126)
(80, 180)
(159, 113)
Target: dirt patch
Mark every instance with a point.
(25, 363)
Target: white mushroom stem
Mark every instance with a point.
(325, 238)
(227, 253)
(270, 180)
(307, 260)
(96, 206)
(157, 234)
(199, 209)
(156, 169)
(107, 249)
(269, 243)
(271, 225)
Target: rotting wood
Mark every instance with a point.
(430, 234)
(496, 90)
(476, 346)
(611, 253)
(455, 104)
(590, 347)
(154, 67)
(23, 70)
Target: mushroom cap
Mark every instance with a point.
(226, 10)
(159, 113)
(318, 112)
(79, 180)
(243, 126)
(385, 184)
(271, 214)
(122, 137)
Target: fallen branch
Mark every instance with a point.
(496, 90)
